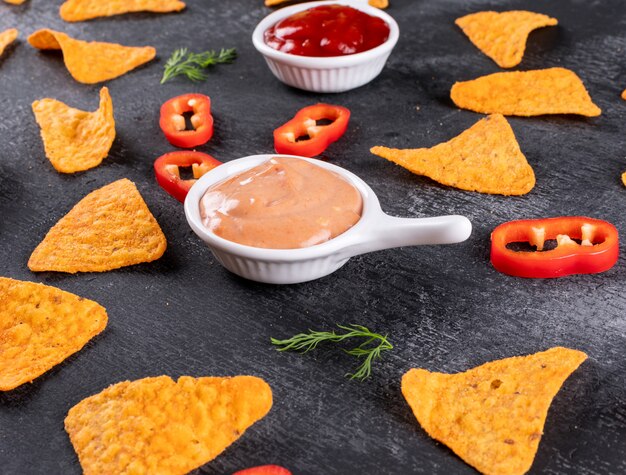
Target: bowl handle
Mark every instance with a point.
(389, 232)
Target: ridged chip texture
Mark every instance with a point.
(6, 38)
(75, 140)
(502, 36)
(492, 416)
(484, 158)
(109, 228)
(161, 426)
(80, 10)
(40, 326)
(92, 62)
(526, 93)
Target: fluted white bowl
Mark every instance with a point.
(326, 74)
(374, 231)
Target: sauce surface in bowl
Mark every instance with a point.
(284, 203)
(327, 30)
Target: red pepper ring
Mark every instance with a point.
(172, 120)
(305, 124)
(597, 252)
(167, 171)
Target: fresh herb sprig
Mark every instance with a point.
(368, 350)
(185, 63)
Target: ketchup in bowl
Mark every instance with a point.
(328, 30)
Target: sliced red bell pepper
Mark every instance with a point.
(167, 171)
(264, 470)
(304, 137)
(597, 252)
(172, 120)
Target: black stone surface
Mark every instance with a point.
(444, 308)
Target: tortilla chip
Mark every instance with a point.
(382, 4)
(15, 2)
(157, 425)
(273, 3)
(624, 178)
(538, 92)
(624, 94)
(502, 36)
(109, 228)
(484, 158)
(75, 140)
(80, 10)
(92, 62)
(6, 38)
(491, 416)
(40, 326)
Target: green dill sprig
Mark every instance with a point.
(368, 350)
(182, 62)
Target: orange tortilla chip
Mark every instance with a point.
(527, 93)
(502, 36)
(80, 10)
(159, 426)
(15, 2)
(6, 38)
(40, 326)
(273, 3)
(624, 94)
(109, 228)
(75, 140)
(382, 4)
(92, 62)
(484, 158)
(624, 178)
(491, 416)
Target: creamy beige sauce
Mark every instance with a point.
(284, 203)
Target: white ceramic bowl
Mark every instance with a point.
(374, 231)
(326, 74)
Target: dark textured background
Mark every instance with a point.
(444, 308)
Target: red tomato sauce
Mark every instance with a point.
(328, 30)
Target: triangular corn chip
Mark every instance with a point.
(40, 326)
(15, 2)
(491, 416)
(75, 140)
(80, 10)
(382, 4)
(92, 62)
(109, 228)
(159, 426)
(527, 93)
(624, 178)
(484, 158)
(502, 36)
(624, 94)
(6, 38)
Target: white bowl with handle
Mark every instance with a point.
(326, 74)
(374, 231)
